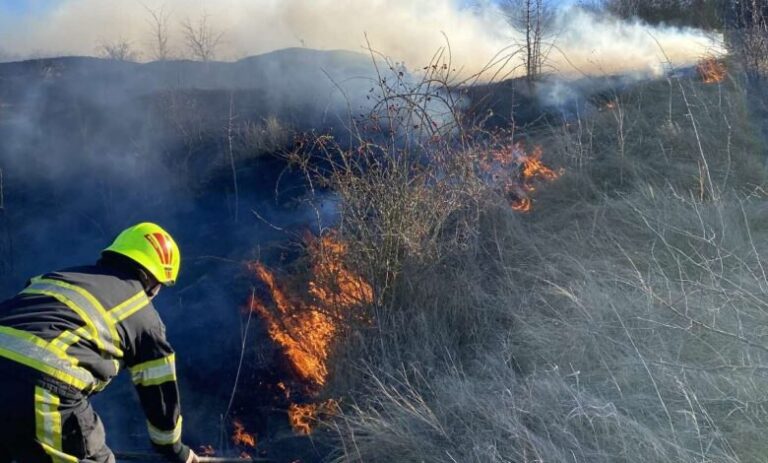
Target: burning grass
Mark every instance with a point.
(305, 417)
(307, 325)
(515, 173)
(712, 70)
(240, 437)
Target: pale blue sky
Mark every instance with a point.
(21, 7)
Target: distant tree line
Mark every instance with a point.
(702, 14)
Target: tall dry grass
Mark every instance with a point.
(621, 321)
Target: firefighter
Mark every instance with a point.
(68, 333)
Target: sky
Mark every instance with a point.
(408, 31)
(22, 7)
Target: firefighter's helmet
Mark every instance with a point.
(153, 248)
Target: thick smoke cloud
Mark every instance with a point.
(402, 29)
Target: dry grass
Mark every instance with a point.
(623, 320)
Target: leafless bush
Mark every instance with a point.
(119, 50)
(412, 177)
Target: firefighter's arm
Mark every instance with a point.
(153, 372)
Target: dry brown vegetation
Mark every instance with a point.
(620, 320)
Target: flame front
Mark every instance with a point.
(304, 332)
(711, 70)
(307, 327)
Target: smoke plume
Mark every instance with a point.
(406, 31)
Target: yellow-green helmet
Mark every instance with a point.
(152, 247)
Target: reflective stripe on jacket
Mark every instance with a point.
(82, 325)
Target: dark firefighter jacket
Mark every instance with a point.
(81, 326)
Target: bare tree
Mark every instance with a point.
(158, 20)
(201, 39)
(119, 50)
(534, 19)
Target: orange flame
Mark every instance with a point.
(307, 327)
(241, 437)
(335, 286)
(304, 417)
(522, 205)
(515, 173)
(306, 331)
(532, 170)
(711, 70)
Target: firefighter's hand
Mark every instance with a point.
(192, 458)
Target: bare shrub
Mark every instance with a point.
(119, 50)
(412, 178)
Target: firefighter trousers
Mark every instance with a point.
(40, 426)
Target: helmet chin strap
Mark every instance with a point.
(150, 283)
(154, 291)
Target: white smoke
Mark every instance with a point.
(405, 30)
